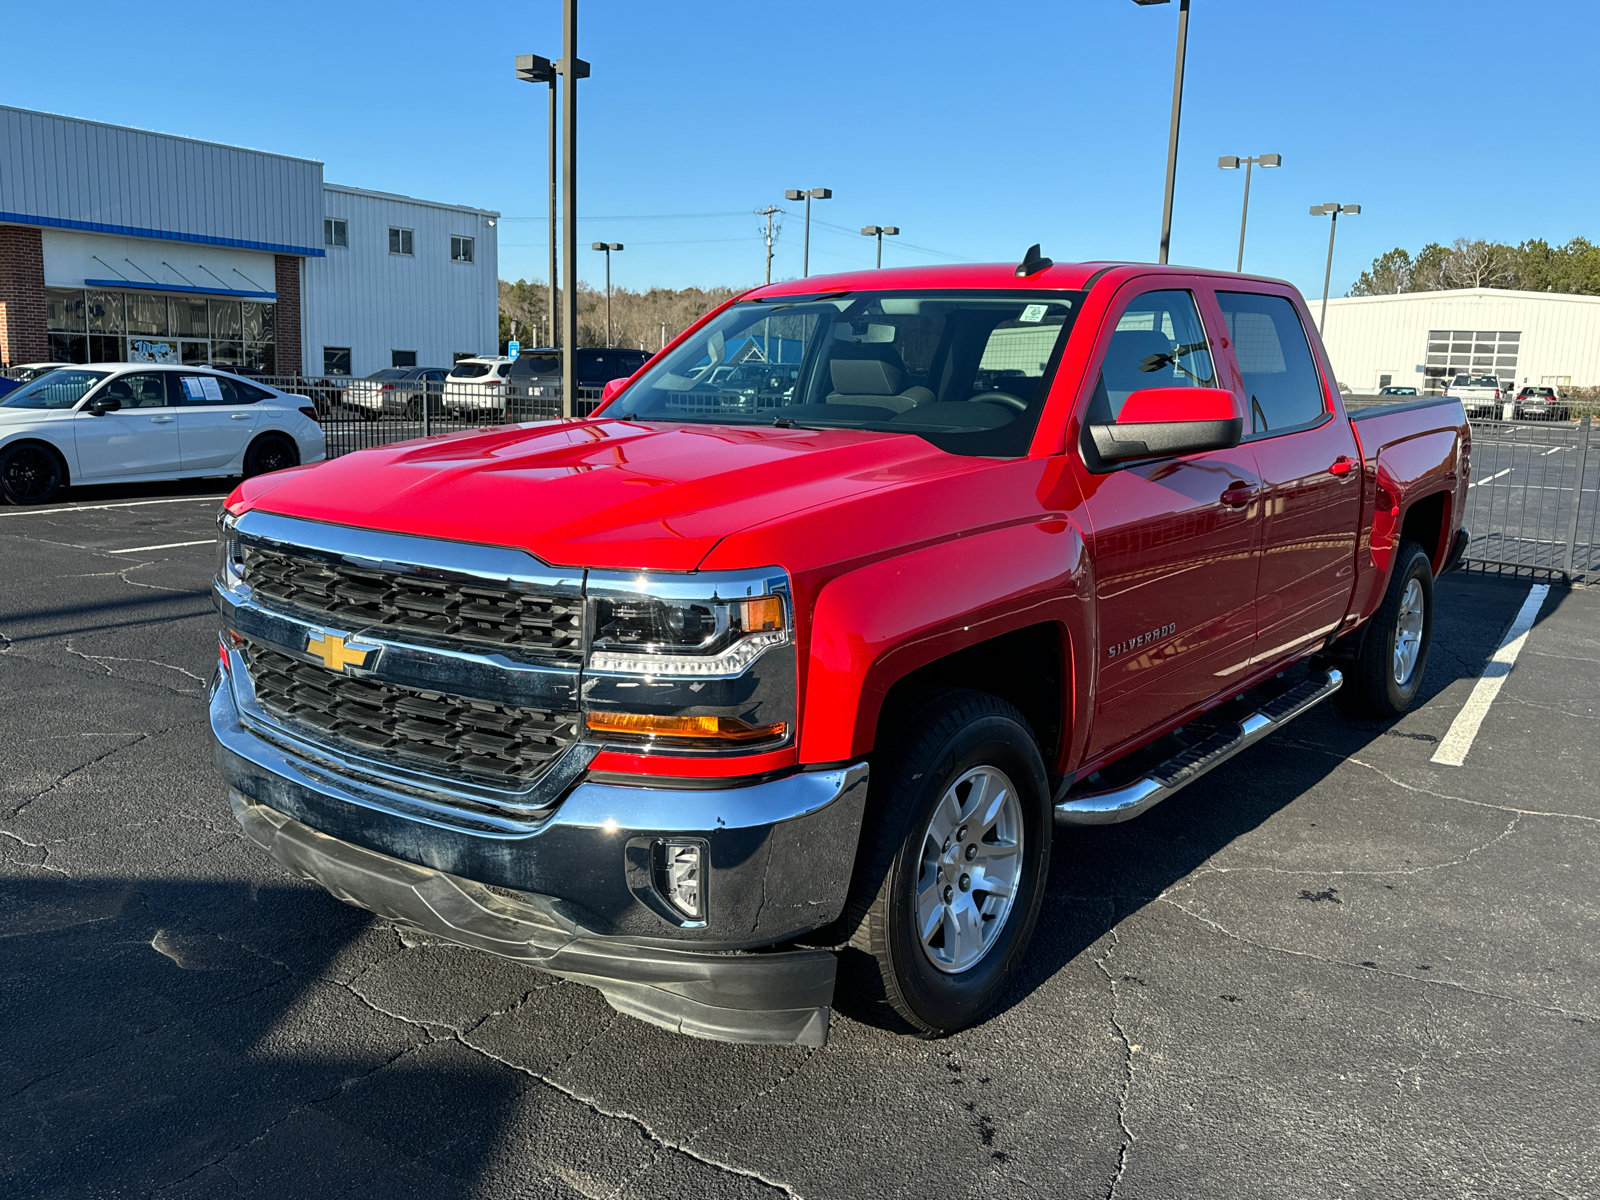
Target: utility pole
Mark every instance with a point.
(768, 213)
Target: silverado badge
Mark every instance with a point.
(334, 653)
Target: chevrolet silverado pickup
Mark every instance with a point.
(767, 687)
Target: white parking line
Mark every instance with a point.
(1452, 751)
(34, 512)
(1557, 450)
(1487, 478)
(164, 546)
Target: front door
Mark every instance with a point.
(1177, 541)
(140, 438)
(216, 415)
(1311, 475)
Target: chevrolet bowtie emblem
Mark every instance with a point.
(333, 652)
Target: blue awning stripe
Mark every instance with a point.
(166, 235)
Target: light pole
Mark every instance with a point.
(608, 247)
(878, 231)
(1333, 211)
(531, 68)
(1230, 162)
(808, 197)
(572, 69)
(1177, 107)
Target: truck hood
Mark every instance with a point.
(601, 493)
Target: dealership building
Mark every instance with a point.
(1425, 339)
(120, 245)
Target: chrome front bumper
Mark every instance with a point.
(572, 892)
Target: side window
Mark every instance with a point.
(1158, 342)
(214, 389)
(138, 391)
(1279, 376)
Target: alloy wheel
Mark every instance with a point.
(1408, 632)
(971, 869)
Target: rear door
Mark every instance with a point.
(1310, 472)
(1176, 541)
(140, 438)
(216, 416)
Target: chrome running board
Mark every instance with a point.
(1125, 803)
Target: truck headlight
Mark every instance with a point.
(665, 628)
(228, 554)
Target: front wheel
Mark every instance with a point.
(30, 474)
(952, 868)
(1386, 671)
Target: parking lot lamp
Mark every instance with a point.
(1333, 211)
(1230, 162)
(608, 247)
(1177, 108)
(878, 231)
(572, 69)
(531, 68)
(808, 197)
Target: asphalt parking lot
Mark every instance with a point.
(1329, 968)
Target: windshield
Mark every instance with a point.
(388, 373)
(537, 364)
(61, 388)
(469, 370)
(968, 371)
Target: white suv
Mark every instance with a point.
(476, 385)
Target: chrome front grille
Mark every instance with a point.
(433, 732)
(529, 624)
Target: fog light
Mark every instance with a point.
(678, 877)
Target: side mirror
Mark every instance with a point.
(104, 405)
(1167, 421)
(612, 387)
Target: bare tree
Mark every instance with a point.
(1476, 264)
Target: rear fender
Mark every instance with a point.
(1404, 474)
(873, 626)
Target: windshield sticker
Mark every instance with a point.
(1034, 313)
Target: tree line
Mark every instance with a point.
(637, 318)
(1532, 266)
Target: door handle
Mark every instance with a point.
(1341, 466)
(162, 420)
(1238, 494)
(240, 416)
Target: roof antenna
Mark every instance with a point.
(1032, 262)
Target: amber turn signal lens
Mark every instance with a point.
(761, 615)
(728, 729)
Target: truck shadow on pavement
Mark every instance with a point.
(1100, 875)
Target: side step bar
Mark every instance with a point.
(1125, 803)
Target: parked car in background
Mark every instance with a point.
(397, 390)
(1397, 390)
(1480, 395)
(537, 374)
(25, 373)
(477, 385)
(123, 422)
(1540, 404)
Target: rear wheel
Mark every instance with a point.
(952, 868)
(273, 452)
(1386, 671)
(30, 474)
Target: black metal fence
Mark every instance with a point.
(1533, 503)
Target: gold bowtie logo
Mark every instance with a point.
(333, 652)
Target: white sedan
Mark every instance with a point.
(125, 422)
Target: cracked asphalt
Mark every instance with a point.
(1329, 968)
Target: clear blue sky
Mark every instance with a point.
(977, 128)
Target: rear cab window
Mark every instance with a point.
(1282, 386)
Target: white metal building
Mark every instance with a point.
(1426, 338)
(123, 245)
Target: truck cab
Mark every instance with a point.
(767, 686)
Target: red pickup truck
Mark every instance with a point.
(774, 678)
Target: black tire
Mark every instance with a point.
(30, 473)
(270, 452)
(886, 976)
(414, 409)
(1371, 687)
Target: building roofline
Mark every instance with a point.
(1459, 293)
(375, 195)
(177, 137)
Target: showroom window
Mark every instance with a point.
(133, 326)
(336, 360)
(399, 240)
(460, 249)
(1476, 351)
(335, 232)
(402, 358)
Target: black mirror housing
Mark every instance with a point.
(1164, 439)
(104, 405)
